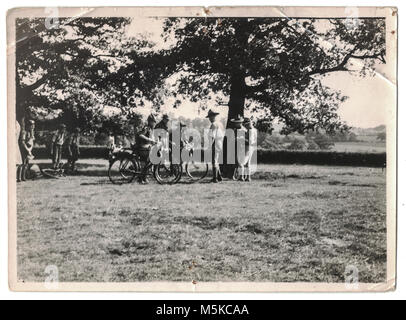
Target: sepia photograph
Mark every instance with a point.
(220, 149)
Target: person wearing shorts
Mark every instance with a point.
(216, 136)
(27, 140)
(145, 141)
(74, 149)
(251, 138)
(58, 141)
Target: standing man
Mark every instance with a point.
(145, 141)
(163, 124)
(74, 149)
(216, 137)
(19, 158)
(57, 143)
(251, 138)
(27, 140)
(162, 134)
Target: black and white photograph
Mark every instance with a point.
(198, 149)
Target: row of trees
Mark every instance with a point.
(309, 141)
(271, 66)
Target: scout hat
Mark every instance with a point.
(237, 120)
(212, 114)
(151, 118)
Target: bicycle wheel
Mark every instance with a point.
(167, 173)
(197, 170)
(51, 173)
(123, 171)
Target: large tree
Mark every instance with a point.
(73, 69)
(275, 65)
(271, 65)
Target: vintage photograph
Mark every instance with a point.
(202, 149)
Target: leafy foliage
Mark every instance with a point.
(76, 68)
(274, 64)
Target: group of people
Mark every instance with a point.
(145, 140)
(61, 137)
(216, 136)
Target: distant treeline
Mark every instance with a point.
(377, 160)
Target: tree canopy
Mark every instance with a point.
(274, 66)
(75, 68)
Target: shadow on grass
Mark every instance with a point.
(98, 183)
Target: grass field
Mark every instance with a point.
(292, 223)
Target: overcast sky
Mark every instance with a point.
(369, 97)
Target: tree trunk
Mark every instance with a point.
(237, 97)
(236, 109)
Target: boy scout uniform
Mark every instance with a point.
(144, 146)
(216, 136)
(28, 139)
(57, 143)
(74, 150)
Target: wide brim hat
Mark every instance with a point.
(212, 114)
(152, 118)
(238, 120)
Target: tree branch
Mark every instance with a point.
(37, 84)
(342, 65)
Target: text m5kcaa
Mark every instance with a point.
(224, 310)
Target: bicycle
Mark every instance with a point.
(125, 167)
(196, 170)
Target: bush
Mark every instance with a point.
(324, 142)
(297, 144)
(311, 145)
(86, 152)
(377, 160)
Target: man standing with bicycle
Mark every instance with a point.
(145, 141)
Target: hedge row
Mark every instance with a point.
(269, 157)
(323, 158)
(86, 152)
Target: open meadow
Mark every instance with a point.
(291, 224)
(360, 147)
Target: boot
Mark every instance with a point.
(219, 176)
(214, 175)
